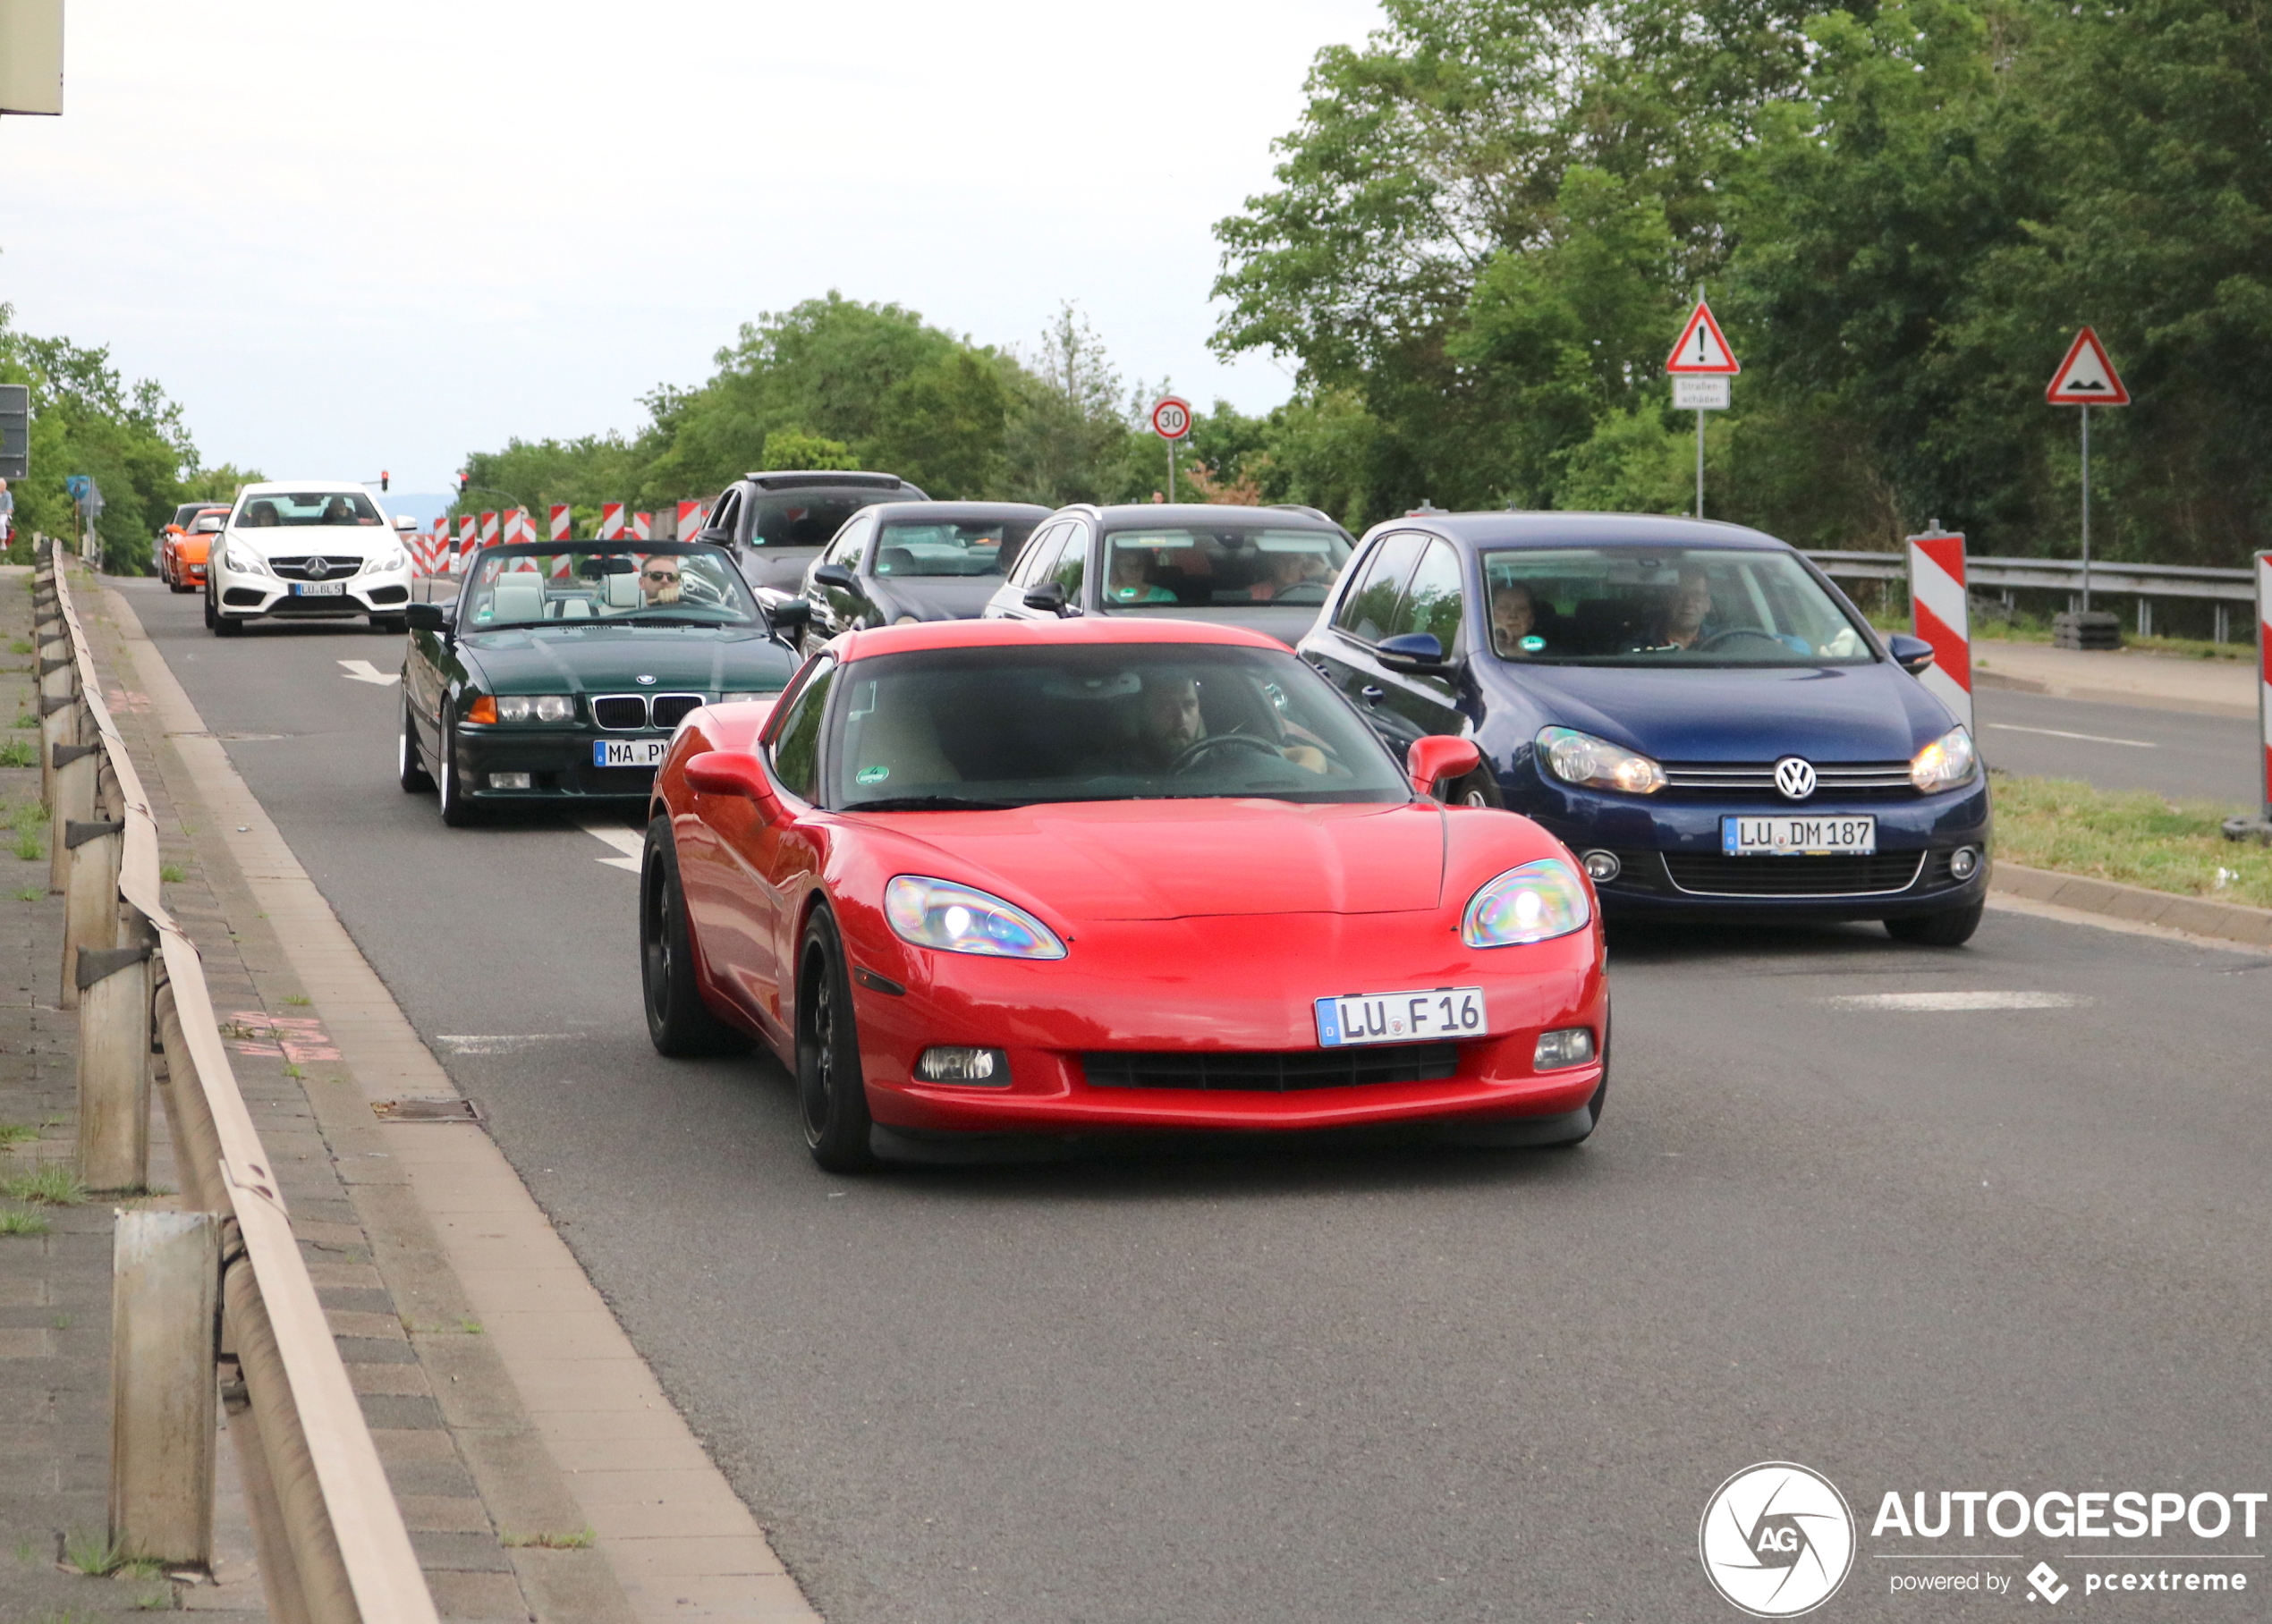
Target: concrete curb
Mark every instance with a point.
(2136, 904)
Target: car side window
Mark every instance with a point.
(845, 549)
(1434, 599)
(1369, 609)
(1072, 562)
(796, 747)
(1040, 553)
(728, 513)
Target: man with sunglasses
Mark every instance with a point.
(658, 581)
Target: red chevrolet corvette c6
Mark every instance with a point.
(984, 878)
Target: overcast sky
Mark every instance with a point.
(349, 238)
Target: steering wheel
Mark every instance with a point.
(1188, 756)
(1729, 636)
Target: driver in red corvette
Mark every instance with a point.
(1168, 723)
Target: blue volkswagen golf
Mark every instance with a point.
(1690, 706)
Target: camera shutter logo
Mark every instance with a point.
(1794, 776)
(1777, 1540)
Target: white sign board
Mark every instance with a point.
(31, 56)
(1693, 394)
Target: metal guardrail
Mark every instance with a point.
(2058, 575)
(333, 1547)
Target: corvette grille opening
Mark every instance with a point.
(1270, 1071)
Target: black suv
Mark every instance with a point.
(776, 523)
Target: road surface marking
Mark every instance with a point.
(1935, 1002)
(631, 842)
(496, 1042)
(2053, 732)
(363, 671)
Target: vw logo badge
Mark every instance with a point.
(1794, 777)
(644, 680)
(318, 568)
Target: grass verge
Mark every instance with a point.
(2136, 837)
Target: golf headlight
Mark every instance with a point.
(1947, 762)
(242, 560)
(1533, 903)
(536, 707)
(961, 920)
(1581, 758)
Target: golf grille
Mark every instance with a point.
(1710, 875)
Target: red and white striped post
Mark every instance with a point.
(2264, 670)
(611, 521)
(642, 527)
(489, 529)
(1940, 614)
(560, 522)
(690, 520)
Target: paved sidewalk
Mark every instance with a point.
(2124, 676)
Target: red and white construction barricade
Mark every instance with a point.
(489, 529)
(1941, 615)
(561, 522)
(690, 520)
(611, 521)
(642, 527)
(2264, 672)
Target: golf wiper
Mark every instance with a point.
(932, 803)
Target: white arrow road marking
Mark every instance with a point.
(2053, 732)
(1937, 1002)
(631, 842)
(363, 671)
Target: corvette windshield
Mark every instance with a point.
(1665, 607)
(527, 587)
(1003, 726)
(272, 509)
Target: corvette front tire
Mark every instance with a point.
(831, 1096)
(679, 1024)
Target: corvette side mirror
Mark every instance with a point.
(1912, 655)
(735, 773)
(1438, 759)
(1415, 651)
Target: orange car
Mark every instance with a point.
(182, 545)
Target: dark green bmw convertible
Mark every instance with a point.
(561, 669)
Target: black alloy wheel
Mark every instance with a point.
(1951, 928)
(209, 616)
(679, 1024)
(407, 765)
(831, 1096)
(457, 808)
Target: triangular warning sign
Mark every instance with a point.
(2087, 378)
(1702, 347)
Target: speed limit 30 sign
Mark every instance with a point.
(1172, 417)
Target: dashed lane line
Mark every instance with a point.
(2053, 732)
(1945, 1003)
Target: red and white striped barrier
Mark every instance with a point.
(2264, 670)
(1940, 614)
(611, 521)
(489, 529)
(690, 520)
(642, 527)
(561, 522)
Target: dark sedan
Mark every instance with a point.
(908, 562)
(560, 670)
(1265, 568)
(1693, 707)
(774, 524)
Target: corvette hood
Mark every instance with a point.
(1179, 859)
(610, 659)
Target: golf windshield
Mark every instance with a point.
(992, 727)
(1668, 606)
(535, 587)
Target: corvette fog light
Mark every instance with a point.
(1601, 867)
(508, 780)
(971, 1068)
(1963, 862)
(1571, 1046)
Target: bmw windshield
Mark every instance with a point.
(997, 727)
(1665, 606)
(671, 585)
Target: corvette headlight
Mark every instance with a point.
(964, 919)
(1946, 763)
(1533, 903)
(536, 707)
(1581, 758)
(242, 560)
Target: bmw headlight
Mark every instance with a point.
(242, 560)
(1948, 761)
(1536, 903)
(964, 919)
(1581, 758)
(536, 707)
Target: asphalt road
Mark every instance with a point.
(1978, 1248)
(2181, 754)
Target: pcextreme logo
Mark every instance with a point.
(1777, 1540)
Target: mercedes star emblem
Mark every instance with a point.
(318, 568)
(1794, 776)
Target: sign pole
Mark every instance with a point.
(1171, 470)
(1171, 421)
(1700, 463)
(2086, 509)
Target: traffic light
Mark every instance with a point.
(465, 482)
(382, 479)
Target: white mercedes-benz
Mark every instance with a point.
(308, 548)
